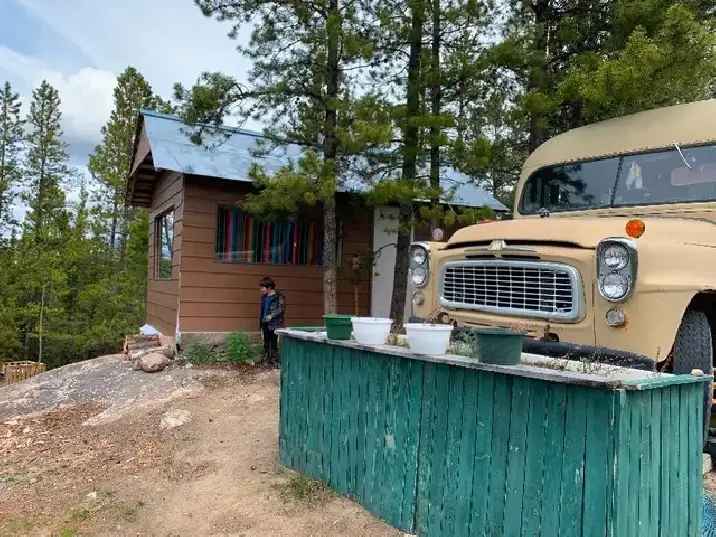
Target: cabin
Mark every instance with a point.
(207, 255)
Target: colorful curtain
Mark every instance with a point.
(240, 238)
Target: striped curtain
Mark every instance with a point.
(240, 238)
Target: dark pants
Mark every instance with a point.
(270, 343)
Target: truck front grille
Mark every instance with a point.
(520, 288)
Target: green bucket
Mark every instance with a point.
(338, 326)
(496, 345)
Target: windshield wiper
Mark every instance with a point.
(681, 154)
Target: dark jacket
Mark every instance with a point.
(272, 310)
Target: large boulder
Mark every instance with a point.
(152, 362)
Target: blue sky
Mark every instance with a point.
(80, 46)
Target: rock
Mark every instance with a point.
(152, 362)
(175, 418)
(92, 495)
(707, 464)
(10, 423)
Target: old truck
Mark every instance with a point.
(612, 246)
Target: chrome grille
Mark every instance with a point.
(524, 288)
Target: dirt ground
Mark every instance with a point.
(216, 475)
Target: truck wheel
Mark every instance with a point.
(693, 349)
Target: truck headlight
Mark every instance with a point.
(616, 268)
(419, 264)
(419, 255)
(418, 276)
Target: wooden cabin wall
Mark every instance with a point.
(223, 297)
(163, 294)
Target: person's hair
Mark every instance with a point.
(268, 283)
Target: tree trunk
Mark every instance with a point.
(113, 225)
(538, 75)
(330, 150)
(435, 95)
(410, 155)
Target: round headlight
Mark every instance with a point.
(418, 276)
(616, 257)
(615, 286)
(420, 256)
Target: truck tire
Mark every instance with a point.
(693, 349)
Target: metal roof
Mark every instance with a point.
(231, 153)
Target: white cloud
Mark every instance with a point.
(86, 96)
(87, 100)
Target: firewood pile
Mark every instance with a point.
(147, 352)
(136, 346)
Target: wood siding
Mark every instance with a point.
(442, 450)
(224, 297)
(163, 294)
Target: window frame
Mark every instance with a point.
(158, 238)
(220, 257)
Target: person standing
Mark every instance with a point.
(271, 318)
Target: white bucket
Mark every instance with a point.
(371, 330)
(428, 338)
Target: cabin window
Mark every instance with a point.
(241, 238)
(164, 245)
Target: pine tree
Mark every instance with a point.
(46, 164)
(300, 91)
(110, 162)
(11, 134)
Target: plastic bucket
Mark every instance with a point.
(428, 338)
(371, 330)
(338, 326)
(496, 345)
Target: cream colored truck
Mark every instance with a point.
(613, 244)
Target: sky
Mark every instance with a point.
(80, 46)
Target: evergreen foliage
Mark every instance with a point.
(386, 92)
(11, 133)
(67, 291)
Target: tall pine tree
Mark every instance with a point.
(46, 164)
(301, 51)
(110, 162)
(11, 134)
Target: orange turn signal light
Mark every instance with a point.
(635, 228)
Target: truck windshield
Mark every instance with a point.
(641, 179)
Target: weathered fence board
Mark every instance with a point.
(442, 450)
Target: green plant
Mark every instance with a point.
(302, 489)
(240, 349)
(201, 352)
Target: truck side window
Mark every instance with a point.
(582, 185)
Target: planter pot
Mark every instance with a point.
(496, 345)
(371, 330)
(428, 338)
(338, 326)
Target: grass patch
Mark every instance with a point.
(67, 532)
(80, 515)
(129, 512)
(304, 490)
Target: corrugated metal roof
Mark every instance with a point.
(231, 154)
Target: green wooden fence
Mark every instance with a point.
(446, 447)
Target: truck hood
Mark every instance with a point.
(582, 232)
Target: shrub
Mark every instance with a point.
(201, 352)
(240, 349)
(237, 349)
